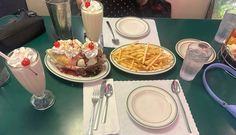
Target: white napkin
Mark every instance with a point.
(129, 127)
(112, 122)
(152, 37)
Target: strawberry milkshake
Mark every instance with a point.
(26, 66)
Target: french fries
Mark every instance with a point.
(142, 57)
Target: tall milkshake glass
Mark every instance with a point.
(92, 16)
(26, 66)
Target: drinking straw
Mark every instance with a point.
(4, 56)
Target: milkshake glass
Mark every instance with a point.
(26, 66)
(92, 17)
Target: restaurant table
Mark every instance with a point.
(65, 117)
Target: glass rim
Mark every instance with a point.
(205, 44)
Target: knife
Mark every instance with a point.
(99, 108)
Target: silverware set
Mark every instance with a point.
(97, 101)
(106, 91)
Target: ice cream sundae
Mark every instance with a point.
(74, 58)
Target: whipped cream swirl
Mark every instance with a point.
(19, 54)
(94, 6)
(69, 47)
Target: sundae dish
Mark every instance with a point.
(77, 59)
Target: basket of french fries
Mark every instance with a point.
(143, 58)
(228, 50)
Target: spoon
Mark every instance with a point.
(108, 93)
(114, 40)
(176, 89)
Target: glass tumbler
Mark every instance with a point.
(196, 56)
(228, 23)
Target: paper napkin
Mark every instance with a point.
(112, 123)
(129, 127)
(152, 37)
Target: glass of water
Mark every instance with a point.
(227, 24)
(196, 56)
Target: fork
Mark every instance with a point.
(95, 99)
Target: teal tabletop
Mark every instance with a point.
(65, 117)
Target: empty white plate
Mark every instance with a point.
(152, 107)
(132, 27)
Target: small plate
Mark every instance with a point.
(132, 27)
(182, 45)
(52, 68)
(155, 72)
(152, 107)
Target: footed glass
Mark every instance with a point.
(31, 77)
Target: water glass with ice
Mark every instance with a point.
(196, 56)
(228, 23)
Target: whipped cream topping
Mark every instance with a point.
(88, 51)
(19, 54)
(77, 54)
(69, 47)
(94, 6)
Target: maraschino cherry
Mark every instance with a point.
(87, 4)
(56, 44)
(91, 45)
(25, 62)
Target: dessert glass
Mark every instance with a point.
(32, 78)
(92, 17)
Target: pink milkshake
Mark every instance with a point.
(25, 64)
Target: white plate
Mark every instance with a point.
(152, 107)
(132, 27)
(182, 45)
(143, 72)
(72, 78)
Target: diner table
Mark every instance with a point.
(65, 117)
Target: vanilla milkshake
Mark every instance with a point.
(92, 16)
(26, 66)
